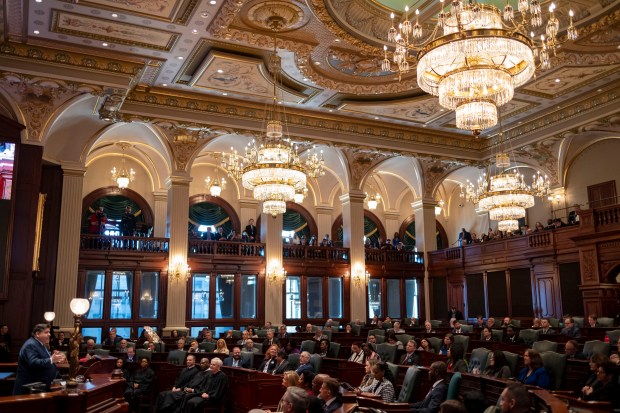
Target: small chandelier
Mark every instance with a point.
(505, 195)
(476, 55)
(179, 272)
(276, 275)
(271, 168)
(215, 185)
(373, 201)
(360, 277)
(439, 207)
(121, 177)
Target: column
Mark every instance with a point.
(324, 221)
(392, 223)
(271, 235)
(426, 241)
(353, 238)
(178, 207)
(161, 213)
(68, 256)
(248, 212)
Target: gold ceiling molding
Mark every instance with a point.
(544, 153)
(435, 170)
(573, 78)
(278, 15)
(39, 98)
(60, 57)
(361, 161)
(219, 27)
(174, 11)
(607, 21)
(317, 121)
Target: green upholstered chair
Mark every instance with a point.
(516, 323)
(555, 363)
(466, 328)
(498, 335)
(308, 345)
(141, 353)
(614, 336)
(380, 339)
(595, 346)
(334, 350)
(478, 360)
(545, 345)
(554, 322)
(512, 359)
(249, 357)
(177, 357)
(387, 352)
(261, 333)
(579, 321)
(454, 387)
(436, 323)
(403, 338)
(377, 332)
(393, 369)
(207, 347)
(316, 362)
(605, 321)
(435, 342)
(529, 336)
(356, 329)
(463, 340)
(293, 361)
(410, 384)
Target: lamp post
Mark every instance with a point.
(79, 307)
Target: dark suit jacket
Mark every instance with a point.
(270, 363)
(185, 377)
(412, 360)
(457, 314)
(34, 364)
(304, 367)
(251, 231)
(266, 343)
(281, 368)
(244, 363)
(433, 399)
(335, 405)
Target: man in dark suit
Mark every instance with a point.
(304, 363)
(410, 358)
(438, 392)
(235, 360)
(281, 363)
(329, 393)
(113, 339)
(544, 327)
(515, 399)
(250, 229)
(512, 337)
(270, 340)
(283, 333)
(454, 313)
(35, 364)
(130, 356)
(428, 327)
(571, 330)
(271, 360)
(165, 399)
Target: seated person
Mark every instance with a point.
(457, 328)
(570, 329)
(397, 328)
(60, 341)
(210, 392)
(357, 354)
(506, 322)
(447, 343)
(235, 360)
(410, 358)
(533, 374)
(438, 392)
(456, 359)
(139, 383)
(596, 360)
(607, 389)
(329, 393)
(323, 348)
(545, 327)
(249, 347)
(498, 366)
(393, 341)
(270, 361)
(380, 386)
(592, 321)
(113, 339)
(486, 335)
(512, 337)
(221, 347)
(571, 349)
(193, 347)
(426, 346)
(87, 347)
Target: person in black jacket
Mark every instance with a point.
(607, 389)
(166, 399)
(174, 399)
(210, 392)
(453, 313)
(140, 383)
(438, 392)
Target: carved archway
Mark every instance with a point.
(439, 231)
(234, 218)
(136, 198)
(301, 211)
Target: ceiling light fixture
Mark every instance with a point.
(121, 176)
(476, 55)
(373, 201)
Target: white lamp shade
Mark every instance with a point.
(372, 204)
(79, 306)
(216, 190)
(122, 181)
(49, 316)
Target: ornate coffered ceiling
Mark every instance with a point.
(202, 61)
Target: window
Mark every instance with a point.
(335, 297)
(224, 296)
(200, 296)
(374, 298)
(122, 287)
(149, 294)
(293, 297)
(315, 297)
(248, 296)
(221, 331)
(124, 332)
(94, 332)
(393, 298)
(95, 288)
(411, 297)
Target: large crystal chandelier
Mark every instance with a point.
(121, 176)
(271, 167)
(505, 194)
(476, 55)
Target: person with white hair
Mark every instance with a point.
(210, 392)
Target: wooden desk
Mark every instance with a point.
(251, 389)
(343, 370)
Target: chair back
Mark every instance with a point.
(380, 339)
(478, 360)
(454, 387)
(259, 347)
(393, 368)
(377, 332)
(545, 345)
(605, 321)
(316, 362)
(466, 328)
(261, 333)
(435, 342)
(554, 322)
(387, 326)
(555, 363)
(463, 340)
(207, 347)
(160, 347)
(293, 361)
(403, 338)
(512, 359)
(529, 336)
(436, 323)
(595, 346)
(516, 323)
(248, 356)
(356, 329)
(328, 333)
(101, 352)
(308, 345)
(498, 335)
(334, 350)
(387, 352)
(141, 353)
(236, 334)
(579, 321)
(177, 357)
(614, 336)
(410, 384)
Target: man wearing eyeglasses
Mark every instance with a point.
(210, 392)
(295, 400)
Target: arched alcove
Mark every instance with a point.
(211, 210)
(407, 233)
(114, 201)
(373, 228)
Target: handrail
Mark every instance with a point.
(376, 255)
(228, 248)
(93, 242)
(315, 253)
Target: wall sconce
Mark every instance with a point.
(360, 277)
(49, 316)
(439, 207)
(373, 201)
(276, 275)
(179, 272)
(146, 297)
(79, 307)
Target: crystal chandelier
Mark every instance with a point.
(276, 275)
(505, 195)
(271, 168)
(121, 177)
(215, 185)
(476, 55)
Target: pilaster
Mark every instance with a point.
(392, 223)
(68, 257)
(426, 241)
(271, 235)
(161, 213)
(324, 221)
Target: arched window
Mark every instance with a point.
(407, 233)
(114, 204)
(207, 213)
(373, 228)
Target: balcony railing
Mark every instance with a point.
(301, 252)
(411, 257)
(228, 248)
(89, 242)
(606, 216)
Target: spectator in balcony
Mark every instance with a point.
(400, 246)
(539, 227)
(250, 229)
(464, 237)
(128, 223)
(97, 221)
(550, 224)
(312, 241)
(396, 240)
(387, 245)
(570, 329)
(558, 223)
(367, 243)
(296, 240)
(326, 242)
(573, 216)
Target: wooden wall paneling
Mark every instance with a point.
(497, 294)
(570, 278)
(475, 295)
(521, 292)
(456, 295)
(439, 297)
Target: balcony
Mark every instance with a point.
(388, 256)
(142, 245)
(305, 252)
(199, 247)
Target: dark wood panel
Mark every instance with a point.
(570, 278)
(440, 299)
(521, 292)
(475, 295)
(497, 294)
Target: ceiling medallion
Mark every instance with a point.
(279, 16)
